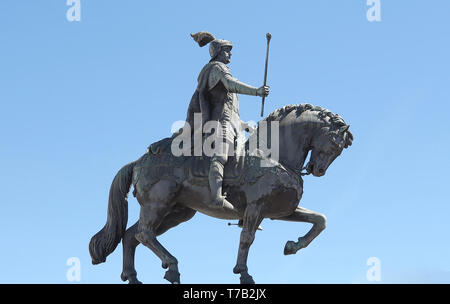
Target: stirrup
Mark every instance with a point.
(240, 224)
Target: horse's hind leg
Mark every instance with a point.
(304, 215)
(129, 244)
(178, 215)
(154, 208)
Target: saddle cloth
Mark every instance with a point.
(198, 166)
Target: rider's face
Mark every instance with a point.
(225, 55)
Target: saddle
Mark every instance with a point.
(198, 166)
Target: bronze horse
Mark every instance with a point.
(170, 193)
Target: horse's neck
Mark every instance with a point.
(293, 148)
(295, 140)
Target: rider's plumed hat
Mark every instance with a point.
(215, 45)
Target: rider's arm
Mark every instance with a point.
(220, 72)
(235, 86)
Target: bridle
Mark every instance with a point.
(304, 173)
(298, 172)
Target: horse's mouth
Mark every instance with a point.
(311, 169)
(318, 173)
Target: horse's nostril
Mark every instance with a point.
(321, 171)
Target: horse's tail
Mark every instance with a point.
(107, 239)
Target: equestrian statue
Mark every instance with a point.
(248, 186)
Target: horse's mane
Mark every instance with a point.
(281, 113)
(335, 120)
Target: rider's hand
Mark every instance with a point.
(263, 91)
(246, 127)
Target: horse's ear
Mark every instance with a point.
(343, 129)
(348, 138)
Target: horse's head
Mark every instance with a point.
(306, 128)
(326, 147)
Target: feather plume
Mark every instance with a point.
(203, 38)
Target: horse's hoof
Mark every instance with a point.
(239, 269)
(289, 248)
(172, 276)
(132, 279)
(247, 279)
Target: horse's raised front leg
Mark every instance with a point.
(304, 215)
(251, 221)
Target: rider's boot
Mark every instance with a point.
(215, 183)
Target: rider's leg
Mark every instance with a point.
(216, 170)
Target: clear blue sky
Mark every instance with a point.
(80, 99)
